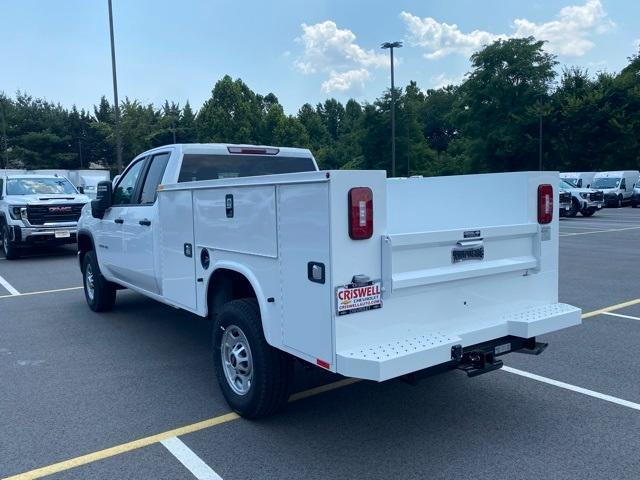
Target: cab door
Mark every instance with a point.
(140, 250)
(109, 229)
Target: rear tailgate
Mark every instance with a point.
(463, 260)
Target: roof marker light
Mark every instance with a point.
(254, 150)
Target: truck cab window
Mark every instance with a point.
(210, 167)
(623, 184)
(124, 191)
(153, 178)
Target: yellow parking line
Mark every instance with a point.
(212, 422)
(122, 448)
(146, 441)
(41, 292)
(618, 306)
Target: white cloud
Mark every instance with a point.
(569, 34)
(345, 81)
(334, 51)
(443, 39)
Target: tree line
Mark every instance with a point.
(511, 112)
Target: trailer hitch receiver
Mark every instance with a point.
(477, 362)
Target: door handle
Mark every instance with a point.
(145, 222)
(119, 220)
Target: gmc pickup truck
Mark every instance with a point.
(355, 273)
(37, 210)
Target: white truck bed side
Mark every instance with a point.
(282, 224)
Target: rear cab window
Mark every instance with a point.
(197, 166)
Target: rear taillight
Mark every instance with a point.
(360, 213)
(545, 204)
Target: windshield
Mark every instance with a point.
(605, 182)
(566, 184)
(39, 186)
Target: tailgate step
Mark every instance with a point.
(397, 357)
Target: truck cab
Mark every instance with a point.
(350, 271)
(37, 210)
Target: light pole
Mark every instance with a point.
(391, 46)
(115, 93)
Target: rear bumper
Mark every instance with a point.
(381, 362)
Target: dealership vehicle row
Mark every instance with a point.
(41, 207)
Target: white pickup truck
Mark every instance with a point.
(358, 274)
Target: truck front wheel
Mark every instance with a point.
(254, 377)
(575, 208)
(8, 247)
(99, 292)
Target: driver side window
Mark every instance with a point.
(623, 184)
(123, 194)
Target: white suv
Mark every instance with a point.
(36, 210)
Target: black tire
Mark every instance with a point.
(271, 369)
(620, 200)
(103, 295)
(587, 212)
(575, 208)
(9, 248)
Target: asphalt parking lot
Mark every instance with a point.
(131, 393)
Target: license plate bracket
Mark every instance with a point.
(467, 252)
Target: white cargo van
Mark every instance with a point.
(616, 186)
(355, 273)
(579, 179)
(88, 180)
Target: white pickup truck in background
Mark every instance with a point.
(358, 274)
(37, 210)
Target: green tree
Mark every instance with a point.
(495, 106)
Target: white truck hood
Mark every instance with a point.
(46, 199)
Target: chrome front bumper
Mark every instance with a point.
(43, 234)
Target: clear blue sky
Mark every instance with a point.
(303, 51)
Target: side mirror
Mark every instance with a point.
(104, 199)
(80, 190)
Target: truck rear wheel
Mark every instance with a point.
(99, 292)
(8, 247)
(254, 377)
